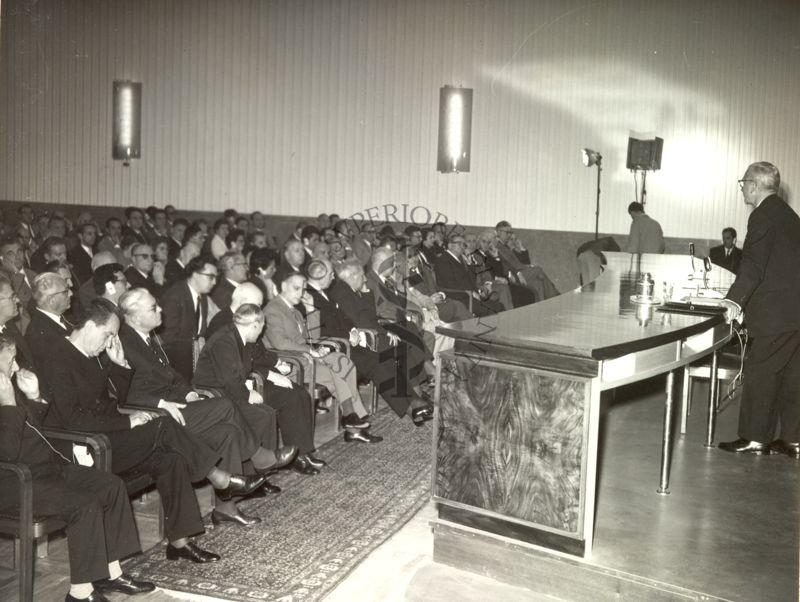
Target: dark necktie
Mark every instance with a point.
(198, 317)
(67, 326)
(155, 347)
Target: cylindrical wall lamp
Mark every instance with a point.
(455, 129)
(127, 121)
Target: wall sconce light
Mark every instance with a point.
(590, 157)
(455, 129)
(127, 121)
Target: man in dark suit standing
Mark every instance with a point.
(727, 255)
(767, 289)
(186, 314)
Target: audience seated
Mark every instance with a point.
(108, 343)
(233, 351)
(516, 263)
(93, 504)
(214, 420)
(455, 276)
(81, 369)
(187, 312)
(388, 366)
(232, 269)
(286, 331)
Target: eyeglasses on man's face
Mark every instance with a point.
(741, 183)
(208, 275)
(150, 255)
(13, 297)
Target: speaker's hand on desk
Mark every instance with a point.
(733, 312)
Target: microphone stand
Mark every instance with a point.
(597, 208)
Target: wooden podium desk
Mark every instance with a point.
(518, 398)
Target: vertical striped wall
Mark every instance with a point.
(303, 106)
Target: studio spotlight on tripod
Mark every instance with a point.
(589, 158)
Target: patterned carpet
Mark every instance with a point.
(317, 530)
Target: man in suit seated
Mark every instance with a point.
(52, 297)
(293, 259)
(517, 264)
(145, 271)
(214, 420)
(80, 256)
(187, 312)
(93, 504)
(395, 309)
(20, 277)
(286, 331)
(232, 267)
(727, 255)
(134, 226)
(79, 370)
(326, 319)
(110, 283)
(453, 274)
(226, 361)
(174, 270)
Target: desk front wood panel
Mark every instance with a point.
(513, 442)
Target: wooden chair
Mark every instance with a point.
(29, 528)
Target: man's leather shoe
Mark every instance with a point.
(95, 596)
(303, 466)
(284, 456)
(313, 460)
(779, 446)
(191, 551)
(268, 487)
(362, 437)
(124, 584)
(241, 485)
(422, 414)
(354, 422)
(320, 408)
(745, 446)
(218, 517)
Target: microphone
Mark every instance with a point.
(691, 254)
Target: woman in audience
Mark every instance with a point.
(263, 265)
(235, 240)
(161, 249)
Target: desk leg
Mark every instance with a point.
(666, 439)
(713, 394)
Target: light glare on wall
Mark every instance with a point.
(126, 125)
(455, 129)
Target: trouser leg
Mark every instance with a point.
(181, 512)
(262, 419)
(292, 409)
(217, 423)
(769, 361)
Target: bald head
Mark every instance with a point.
(102, 258)
(383, 261)
(246, 293)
